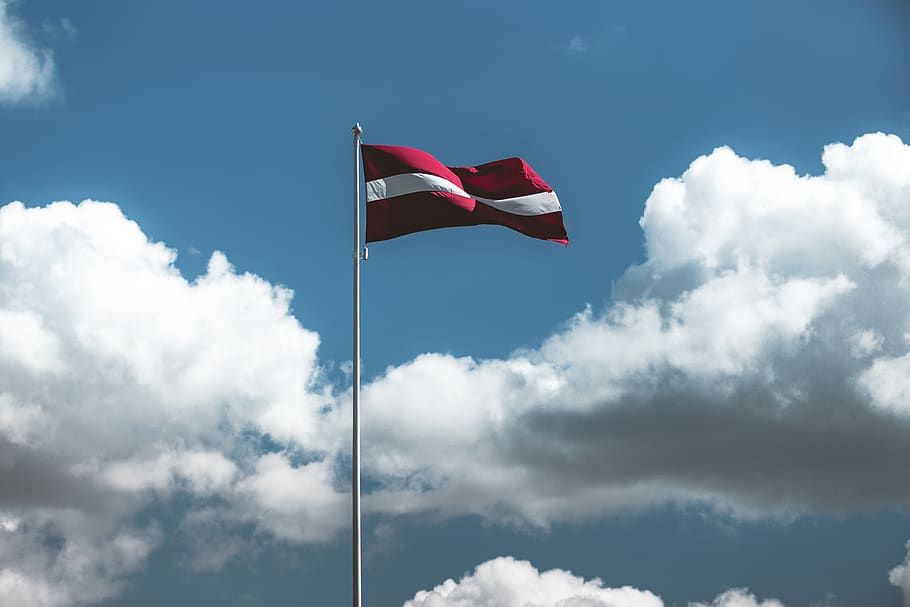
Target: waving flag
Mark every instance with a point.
(410, 191)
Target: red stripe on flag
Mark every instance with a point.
(420, 211)
(381, 161)
(507, 178)
(546, 226)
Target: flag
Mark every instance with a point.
(410, 191)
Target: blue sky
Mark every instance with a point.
(707, 394)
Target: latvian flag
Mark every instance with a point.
(410, 191)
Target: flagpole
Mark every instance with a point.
(355, 438)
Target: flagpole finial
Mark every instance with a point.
(356, 130)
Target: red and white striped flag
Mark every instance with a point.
(410, 191)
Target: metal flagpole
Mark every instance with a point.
(355, 449)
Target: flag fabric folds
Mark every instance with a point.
(410, 191)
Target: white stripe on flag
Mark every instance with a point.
(411, 183)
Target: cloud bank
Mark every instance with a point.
(26, 72)
(755, 363)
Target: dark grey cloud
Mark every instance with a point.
(36, 478)
(745, 447)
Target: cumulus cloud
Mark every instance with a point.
(738, 598)
(26, 72)
(507, 582)
(755, 362)
(122, 382)
(900, 577)
(89, 565)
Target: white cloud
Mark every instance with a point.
(205, 472)
(21, 423)
(900, 577)
(88, 568)
(731, 369)
(26, 72)
(738, 598)
(887, 382)
(295, 502)
(577, 44)
(507, 582)
(122, 382)
(865, 342)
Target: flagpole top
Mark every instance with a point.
(356, 131)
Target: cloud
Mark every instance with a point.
(507, 582)
(756, 362)
(607, 39)
(295, 502)
(123, 383)
(26, 72)
(739, 597)
(577, 44)
(900, 577)
(62, 30)
(89, 566)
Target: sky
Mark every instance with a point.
(702, 401)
